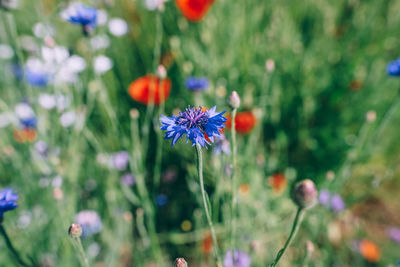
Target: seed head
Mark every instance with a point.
(180, 262)
(75, 230)
(305, 194)
(234, 100)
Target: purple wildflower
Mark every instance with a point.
(196, 123)
(324, 197)
(196, 84)
(7, 201)
(90, 222)
(394, 234)
(120, 160)
(221, 146)
(128, 179)
(337, 203)
(240, 259)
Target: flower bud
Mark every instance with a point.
(75, 230)
(234, 100)
(180, 262)
(305, 194)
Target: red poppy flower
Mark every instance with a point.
(244, 122)
(206, 245)
(194, 10)
(278, 182)
(370, 251)
(142, 89)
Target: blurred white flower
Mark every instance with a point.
(28, 43)
(25, 220)
(93, 250)
(75, 64)
(57, 181)
(9, 4)
(100, 42)
(47, 101)
(68, 118)
(118, 27)
(5, 119)
(102, 64)
(154, 4)
(270, 65)
(101, 17)
(6, 52)
(24, 111)
(63, 102)
(42, 30)
(371, 116)
(56, 55)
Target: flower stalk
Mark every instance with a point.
(205, 203)
(10, 246)
(295, 227)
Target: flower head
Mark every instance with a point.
(305, 194)
(90, 222)
(194, 10)
(180, 262)
(369, 250)
(196, 84)
(75, 230)
(337, 203)
(78, 13)
(239, 259)
(394, 234)
(278, 182)
(148, 86)
(234, 100)
(324, 197)
(7, 201)
(393, 69)
(244, 122)
(196, 123)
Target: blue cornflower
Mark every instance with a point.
(29, 122)
(196, 84)
(37, 78)
(393, 68)
(7, 201)
(78, 13)
(239, 259)
(200, 126)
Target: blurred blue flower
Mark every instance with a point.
(393, 68)
(196, 123)
(196, 84)
(78, 13)
(221, 146)
(7, 201)
(337, 203)
(239, 259)
(90, 222)
(161, 200)
(37, 78)
(324, 197)
(29, 122)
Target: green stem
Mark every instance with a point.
(205, 203)
(11, 247)
(295, 227)
(85, 261)
(234, 205)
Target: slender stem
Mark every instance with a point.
(234, 203)
(203, 193)
(85, 261)
(295, 227)
(11, 247)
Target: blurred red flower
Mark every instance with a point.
(194, 10)
(142, 89)
(370, 251)
(278, 182)
(206, 245)
(244, 122)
